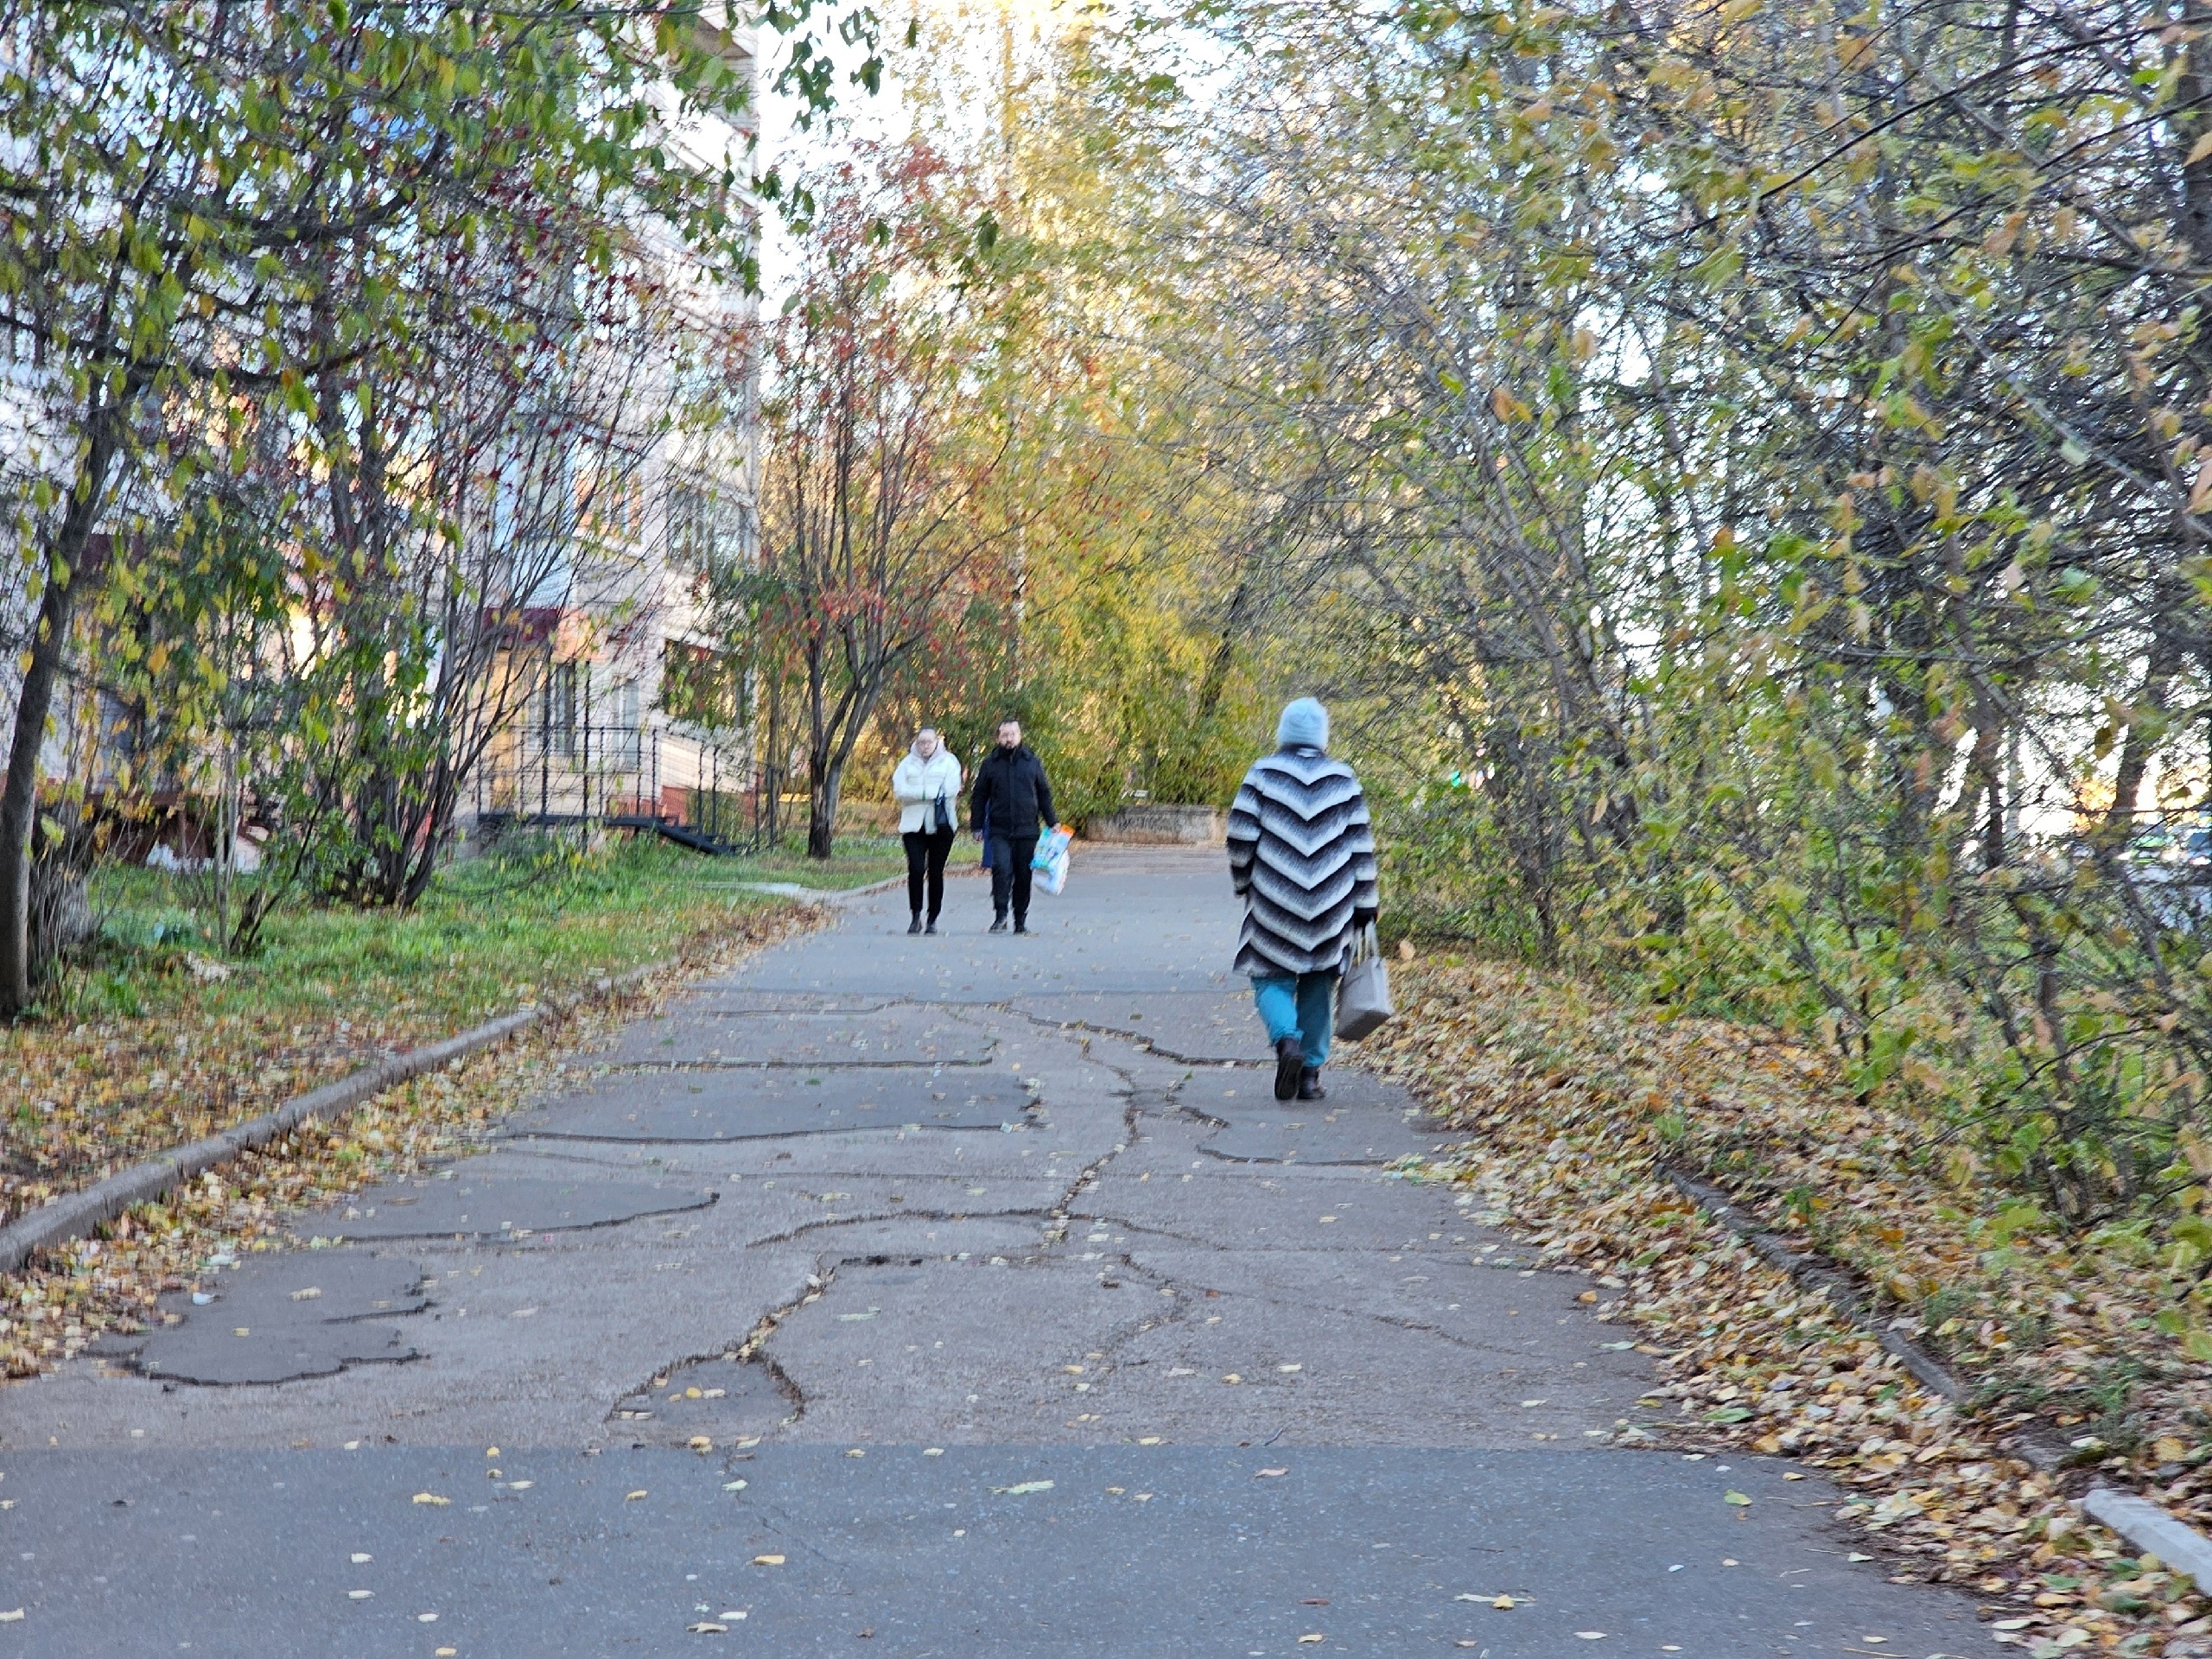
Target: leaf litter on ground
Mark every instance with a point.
(1576, 1106)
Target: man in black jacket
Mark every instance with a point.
(1009, 805)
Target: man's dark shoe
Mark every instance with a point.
(915, 926)
(1022, 924)
(931, 928)
(1290, 1065)
(999, 926)
(1309, 1084)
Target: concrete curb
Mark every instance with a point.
(2151, 1530)
(74, 1214)
(831, 896)
(2148, 1528)
(1815, 1272)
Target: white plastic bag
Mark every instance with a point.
(1049, 861)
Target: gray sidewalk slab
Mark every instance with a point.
(697, 1033)
(744, 1104)
(1028, 1203)
(1019, 1551)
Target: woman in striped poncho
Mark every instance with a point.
(1301, 853)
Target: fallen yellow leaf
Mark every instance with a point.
(768, 1561)
(432, 1498)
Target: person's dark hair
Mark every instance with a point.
(1009, 719)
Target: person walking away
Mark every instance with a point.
(1301, 854)
(1014, 799)
(926, 783)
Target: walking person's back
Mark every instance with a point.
(1301, 853)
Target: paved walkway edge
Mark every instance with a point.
(2148, 1528)
(74, 1214)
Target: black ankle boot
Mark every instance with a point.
(931, 928)
(1309, 1084)
(1290, 1064)
(915, 926)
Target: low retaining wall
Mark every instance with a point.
(1162, 826)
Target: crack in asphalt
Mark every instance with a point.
(678, 1068)
(791, 1236)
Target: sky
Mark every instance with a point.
(887, 114)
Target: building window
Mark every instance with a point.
(691, 525)
(707, 531)
(568, 692)
(623, 723)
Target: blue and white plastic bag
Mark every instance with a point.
(1049, 861)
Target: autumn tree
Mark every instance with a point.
(202, 201)
(882, 444)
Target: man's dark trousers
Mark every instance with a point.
(1010, 872)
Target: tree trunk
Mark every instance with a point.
(72, 560)
(825, 784)
(2142, 738)
(68, 571)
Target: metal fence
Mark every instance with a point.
(686, 787)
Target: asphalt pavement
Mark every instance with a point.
(1069, 1339)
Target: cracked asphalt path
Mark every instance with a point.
(966, 1295)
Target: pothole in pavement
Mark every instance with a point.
(278, 1320)
(717, 1401)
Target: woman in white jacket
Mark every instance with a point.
(927, 785)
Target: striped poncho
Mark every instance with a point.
(1301, 853)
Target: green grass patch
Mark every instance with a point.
(491, 932)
